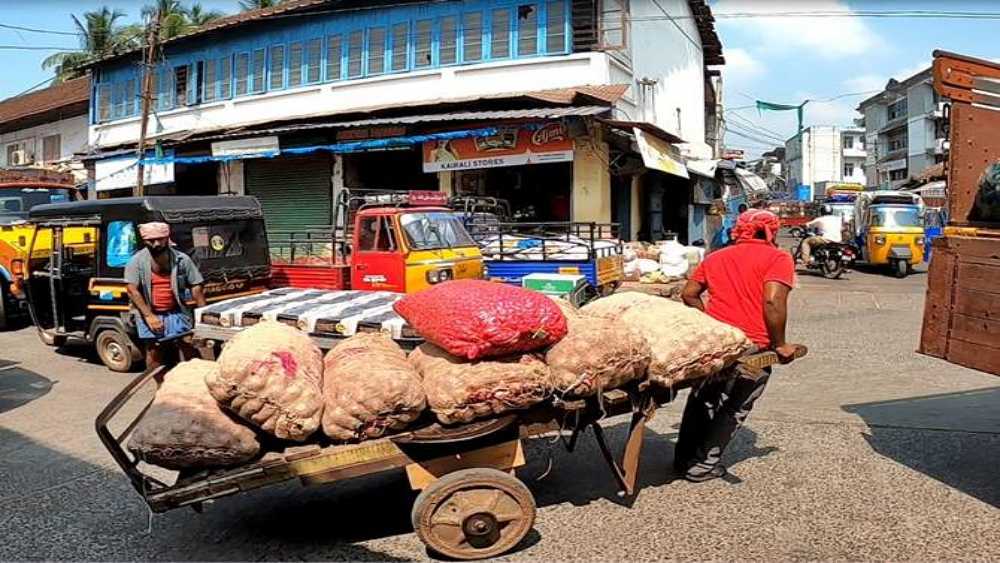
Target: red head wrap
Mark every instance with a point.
(754, 221)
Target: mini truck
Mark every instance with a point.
(397, 241)
(20, 190)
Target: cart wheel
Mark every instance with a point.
(474, 514)
(115, 350)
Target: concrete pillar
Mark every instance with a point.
(446, 183)
(635, 219)
(591, 194)
(231, 178)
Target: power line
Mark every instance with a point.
(36, 30)
(927, 14)
(35, 48)
(696, 44)
(757, 126)
(47, 80)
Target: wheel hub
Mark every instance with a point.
(115, 352)
(481, 529)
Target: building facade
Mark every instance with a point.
(820, 155)
(535, 101)
(903, 130)
(46, 128)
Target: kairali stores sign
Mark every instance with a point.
(510, 146)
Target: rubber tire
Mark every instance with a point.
(439, 491)
(900, 268)
(49, 339)
(122, 362)
(832, 274)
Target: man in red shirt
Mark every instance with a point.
(747, 285)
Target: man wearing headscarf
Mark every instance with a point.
(160, 281)
(747, 285)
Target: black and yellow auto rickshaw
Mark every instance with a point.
(76, 286)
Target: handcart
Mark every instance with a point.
(472, 506)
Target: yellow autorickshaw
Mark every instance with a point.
(890, 229)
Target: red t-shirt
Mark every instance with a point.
(735, 277)
(162, 293)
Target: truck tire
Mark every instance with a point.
(116, 350)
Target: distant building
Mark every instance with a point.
(903, 131)
(770, 167)
(819, 155)
(46, 127)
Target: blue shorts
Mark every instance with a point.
(174, 324)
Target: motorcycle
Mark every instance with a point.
(831, 259)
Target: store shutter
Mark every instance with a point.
(293, 191)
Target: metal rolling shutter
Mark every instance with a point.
(293, 191)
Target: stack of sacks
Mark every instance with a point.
(271, 375)
(684, 342)
(460, 391)
(480, 335)
(597, 354)
(369, 388)
(185, 428)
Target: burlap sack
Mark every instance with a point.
(461, 391)
(685, 342)
(185, 428)
(613, 306)
(572, 314)
(598, 354)
(272, 375)
(369, 388)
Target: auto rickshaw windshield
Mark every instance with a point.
(895, 217)
(435, 230)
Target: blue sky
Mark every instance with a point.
(783, 60)
(788, 60)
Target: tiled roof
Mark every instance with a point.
(60, 101)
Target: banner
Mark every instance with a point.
(657, 154)
(509, 146)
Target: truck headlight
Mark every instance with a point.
(437, 276)
(879, 240)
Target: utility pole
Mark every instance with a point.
(148, 61)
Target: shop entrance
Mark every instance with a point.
(536, 192)
(665, 205)
(387, 170)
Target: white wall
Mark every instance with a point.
(423, 87)
(662, 53)
(72, 132)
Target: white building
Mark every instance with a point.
(316, 74)
(46, 128)
(820, 155)
(904, 129)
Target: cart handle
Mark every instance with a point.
(140, 482)
(768, 358)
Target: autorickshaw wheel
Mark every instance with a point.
(115, 350)
(474, 514)
(900, 268)
(50, 339)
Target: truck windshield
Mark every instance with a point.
(896, 217)
(434, 230)
(16, 202)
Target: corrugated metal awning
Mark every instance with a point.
(532, 113)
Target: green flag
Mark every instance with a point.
(768, 106)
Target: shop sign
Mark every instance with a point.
(733, 154)
(894, 164)
(657, 154)
(257, 146)
(120, 173)
(511, 146)
(362, 133)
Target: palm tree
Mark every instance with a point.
(100, 36)
(173, 17)
(248, 5)
(198, 16)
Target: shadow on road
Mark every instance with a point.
(19, 386)
(953, 437)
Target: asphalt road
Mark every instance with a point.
(862, 450)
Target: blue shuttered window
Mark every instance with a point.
(386, 40)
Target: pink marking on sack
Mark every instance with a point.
(288, 362)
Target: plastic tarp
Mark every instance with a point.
(750, 182)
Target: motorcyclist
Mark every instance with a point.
(828, 228)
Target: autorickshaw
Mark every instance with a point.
(76, 286)
(889, 227)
